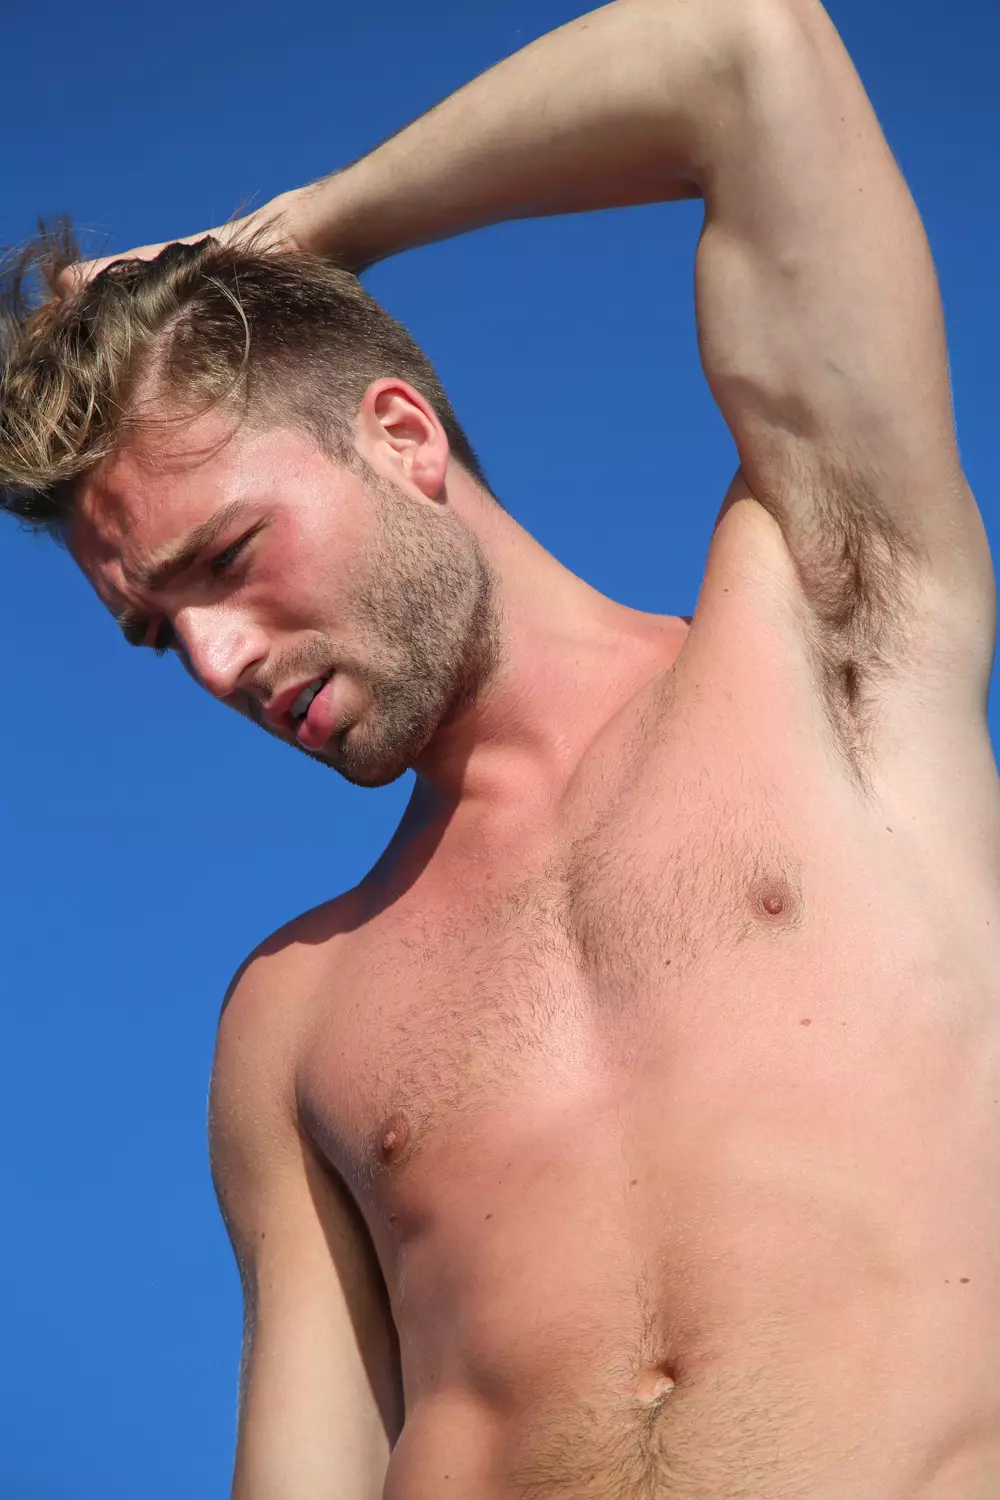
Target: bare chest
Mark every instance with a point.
(536, 975)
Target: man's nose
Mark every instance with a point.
(222, 649)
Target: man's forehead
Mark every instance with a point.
(98, 530)
(135, 483)
(138, 504)
(135, 502)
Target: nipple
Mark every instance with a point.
(773, 896)
(395, 1134)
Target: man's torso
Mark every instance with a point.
(671, 1110)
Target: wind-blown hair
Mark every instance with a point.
(279, 335)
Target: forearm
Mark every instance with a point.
(619, 107)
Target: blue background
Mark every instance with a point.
(150, 840)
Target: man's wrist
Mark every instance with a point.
(334, 217)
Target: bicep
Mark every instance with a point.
(320, 1407)
(320, 1390)
(823, 341)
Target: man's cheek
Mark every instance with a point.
(249, 709)
(241, 701)
(185, 661)
(244, 704)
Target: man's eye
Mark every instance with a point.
(164, 638)
(222, 562)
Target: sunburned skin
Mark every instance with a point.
(674, 1123)
(632, 1131)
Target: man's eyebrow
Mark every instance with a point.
(185, 553)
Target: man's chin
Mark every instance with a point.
(360, 764)
(369, 778)
(364, 766)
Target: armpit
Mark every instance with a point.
(861, 581)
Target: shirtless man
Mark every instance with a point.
(631, 1132)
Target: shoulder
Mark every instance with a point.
(279, 969)
(264, 1026)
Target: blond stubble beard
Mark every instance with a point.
(430, 602)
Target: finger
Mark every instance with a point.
(83, 271)
(271, 226)
(75, 276)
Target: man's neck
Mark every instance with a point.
(569, 659)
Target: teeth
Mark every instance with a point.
(302, 702)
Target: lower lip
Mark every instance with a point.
(321, 720)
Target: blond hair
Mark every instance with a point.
(278, 334)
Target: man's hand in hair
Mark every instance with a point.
(288, 222)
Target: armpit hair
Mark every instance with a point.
(859, 574)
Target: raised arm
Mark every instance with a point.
(320, 1404)
(575, 121)
(818, 308)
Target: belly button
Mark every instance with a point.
(654, 1385)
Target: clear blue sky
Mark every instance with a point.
(150, 839)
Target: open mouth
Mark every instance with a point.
(301, 706)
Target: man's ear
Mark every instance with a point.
(398, 432)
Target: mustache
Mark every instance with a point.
(298, 666)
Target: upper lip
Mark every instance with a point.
(278, 710)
